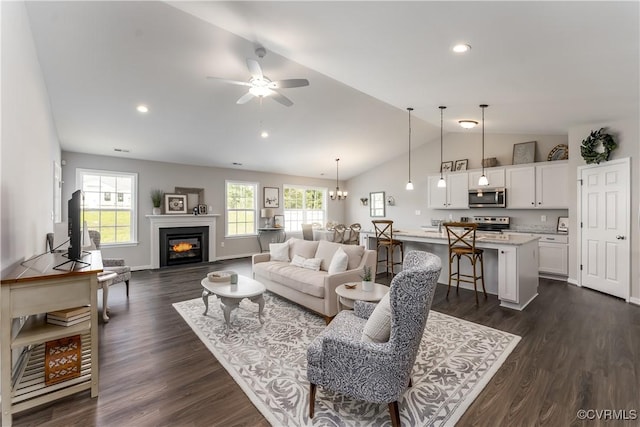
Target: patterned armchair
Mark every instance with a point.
(339, 360)
(113, 264)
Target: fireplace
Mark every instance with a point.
(183, 245)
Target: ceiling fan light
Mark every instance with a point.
(259, 91)
(461, 48)
(442, 183)
(264, 134)
(467, 124)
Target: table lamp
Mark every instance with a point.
(268, 214)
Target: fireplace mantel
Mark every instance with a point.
(166, 221)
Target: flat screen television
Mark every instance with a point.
(75, 220)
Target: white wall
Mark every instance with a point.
(392, 176)
(167, 176)
(29, 143)
(627, 136)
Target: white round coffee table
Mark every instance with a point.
(231, 295)
(347, 296)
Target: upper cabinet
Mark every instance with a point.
(454, 196)
(494, 175)
(542, 186)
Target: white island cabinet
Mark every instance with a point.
(27, 294)
(510, 261)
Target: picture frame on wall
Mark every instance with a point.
(175, 204)
(278, 221)
(446, 166)
(271, 197)
(461, 165)
(524, 152)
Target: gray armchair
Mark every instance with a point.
(339, 360)
(116, 265)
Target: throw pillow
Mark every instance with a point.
(298, 261)
(378, 326)
(338, 262)
(312, 263)
(325, 251)
(304, 248)
(279, 251)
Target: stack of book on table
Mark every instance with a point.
(69, 316)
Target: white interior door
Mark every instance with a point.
(605, 250)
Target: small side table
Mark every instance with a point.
(276, 235)
(347, 296)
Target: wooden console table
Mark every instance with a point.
(26, 295)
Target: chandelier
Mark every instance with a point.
(338, 194)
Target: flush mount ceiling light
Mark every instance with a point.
(409, 183)
(264, 134)
(333, 195)
(467, 124)
(441, 182)
(142, 108)
(483, 181)
(461, 48)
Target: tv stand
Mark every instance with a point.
(26, 295)
(74, 263)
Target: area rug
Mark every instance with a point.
(456, 360)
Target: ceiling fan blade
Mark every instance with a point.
(280, 98)
(288, 83)
(233, 82)
(254, 68)
(245, 98)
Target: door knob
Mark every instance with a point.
(620, 237)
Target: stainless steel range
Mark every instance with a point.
(492, 223)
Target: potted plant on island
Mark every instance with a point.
(156, 199)
(367, 282)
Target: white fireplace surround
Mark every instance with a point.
(169, 221)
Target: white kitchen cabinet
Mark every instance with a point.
(554, 254)
(494, 175)
(454, 196)
(541, 186)
(507, 274)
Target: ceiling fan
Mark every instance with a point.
(261, 86)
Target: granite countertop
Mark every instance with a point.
(481, 237)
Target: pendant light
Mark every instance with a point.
(441, 182)
(409, 183)
(483, 181)
(339, 195)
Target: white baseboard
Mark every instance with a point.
(141, 267)
(573, 281)
(222, 258)
(634, 300)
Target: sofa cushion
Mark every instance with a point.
(325, 251)
(304, 248)
(338, 262)
(312, 264)
(298, 261)
(378, 327)
(279, 251)
(306, 281)
(355, 254)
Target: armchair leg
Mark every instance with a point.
(394, 413)
(127, 283)
(312, 398)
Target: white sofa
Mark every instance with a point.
(315, 290)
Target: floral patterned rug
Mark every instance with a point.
(456, 360)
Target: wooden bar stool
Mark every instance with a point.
(462, 243)
(384, 239)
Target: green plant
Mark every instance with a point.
(366, 274)
(156, 197)
(597, 147)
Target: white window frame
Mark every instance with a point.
(80, 173)
(304, 188)
(226, 208)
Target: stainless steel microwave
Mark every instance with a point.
(488, 198)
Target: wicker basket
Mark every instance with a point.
(220, 276)
(490, 162)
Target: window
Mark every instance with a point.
(241, 208)
(303, 205)
(109, 204)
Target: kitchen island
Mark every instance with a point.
(510, 261)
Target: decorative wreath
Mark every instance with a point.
(590, 149)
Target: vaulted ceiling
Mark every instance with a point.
(541, 66)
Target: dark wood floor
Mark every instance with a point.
(579, 350)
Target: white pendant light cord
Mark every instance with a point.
(409, 183)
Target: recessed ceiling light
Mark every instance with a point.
(461, 48)
(237, 164)
(121, 150)
(264, 134)
(142, 108)
(467, 124)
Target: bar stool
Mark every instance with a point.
(462, 243)
(384, 239)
